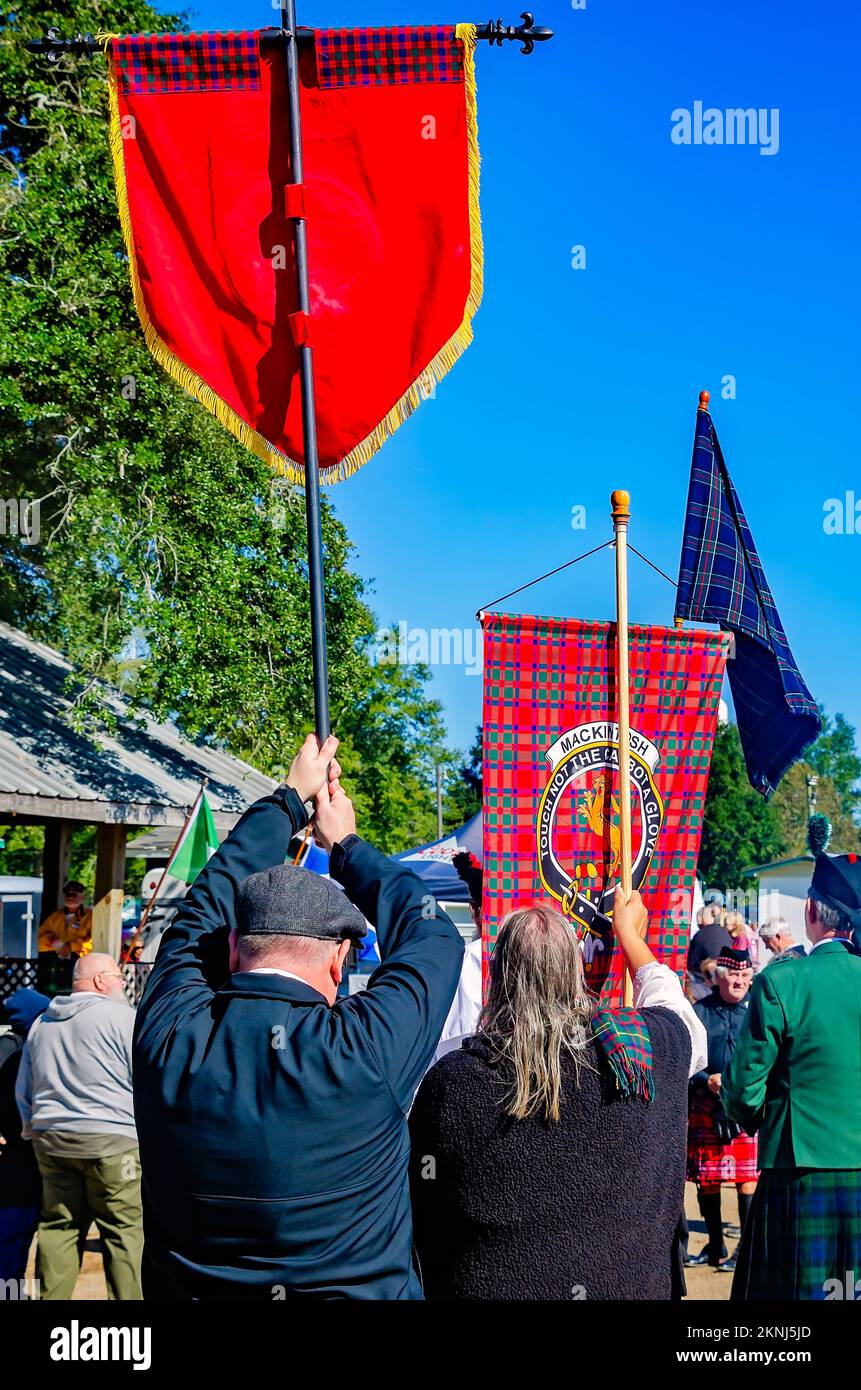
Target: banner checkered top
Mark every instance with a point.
(176, 63)
(548, 678)
(382, 57)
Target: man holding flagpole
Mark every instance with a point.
(271, 1113)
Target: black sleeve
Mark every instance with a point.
(702, 1076)
(695, 954)
(403, 1009)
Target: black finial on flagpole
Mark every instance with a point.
(496, 32)
(53, 46)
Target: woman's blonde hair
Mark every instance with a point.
(538, 1009)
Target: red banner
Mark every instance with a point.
(200, 132)
(551, 762)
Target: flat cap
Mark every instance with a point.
(290, 901)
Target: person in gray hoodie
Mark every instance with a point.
(74, 1093)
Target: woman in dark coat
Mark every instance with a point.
(548, 1153)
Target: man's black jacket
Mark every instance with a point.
(709, 941)
(272, 1127)
(723, 1024)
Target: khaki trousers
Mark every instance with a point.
(76, 1192)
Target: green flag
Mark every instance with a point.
(197, 843)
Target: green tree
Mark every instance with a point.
(394, 739)
(835, 756)
(792, 806)
(21, 852)
(739, 828)
(464, 786)
(170, 559)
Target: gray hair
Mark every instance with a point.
(721, 971)
(830, 917)
(776, 926)
(538, 1009)
(267, 947)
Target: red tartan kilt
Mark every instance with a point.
(710, 1161)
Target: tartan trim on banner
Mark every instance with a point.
(546, 676)
(385, 57)
(155, 65)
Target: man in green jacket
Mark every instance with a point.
(795, 1078)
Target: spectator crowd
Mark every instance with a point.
(253, 1131)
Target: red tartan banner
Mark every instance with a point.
(551, 760)
(200, 133)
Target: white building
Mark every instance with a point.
(783, 890)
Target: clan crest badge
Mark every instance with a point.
(579, 838)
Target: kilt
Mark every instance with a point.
(803, 1230)
(710, 1162)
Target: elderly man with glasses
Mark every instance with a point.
(74, 1093)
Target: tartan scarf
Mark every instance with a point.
(622, 1036)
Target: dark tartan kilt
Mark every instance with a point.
(803, 1230)
(709, 1161)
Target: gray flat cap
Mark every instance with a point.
(289, 901)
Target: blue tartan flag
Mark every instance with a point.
(722, 581)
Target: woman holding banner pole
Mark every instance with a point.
(548, 1152)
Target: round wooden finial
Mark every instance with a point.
(705, 397)
(620, 501)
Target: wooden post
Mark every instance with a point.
(55, 864)
(110, 883)
(621, 504)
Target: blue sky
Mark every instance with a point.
(702, 262)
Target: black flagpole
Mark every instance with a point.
(495, 32)
(306, 378)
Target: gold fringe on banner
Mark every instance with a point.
(409, 401)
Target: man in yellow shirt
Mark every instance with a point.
(68, 931)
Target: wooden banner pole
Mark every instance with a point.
(621, 511)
